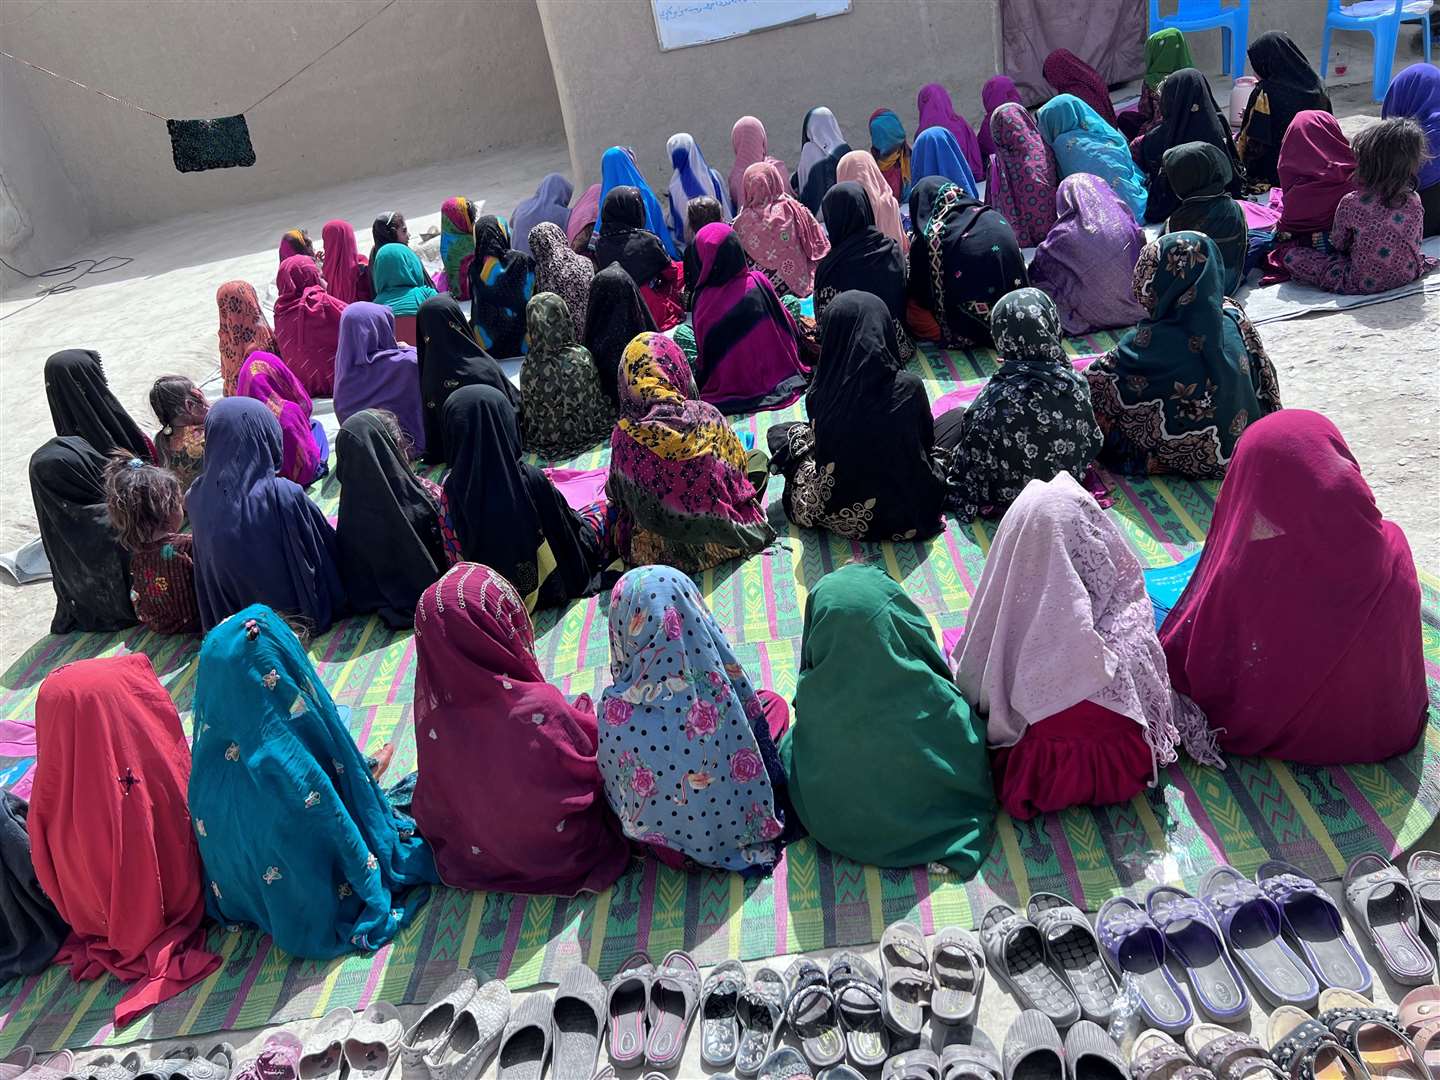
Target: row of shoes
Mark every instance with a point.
(187, 1062)
(1033, 1050)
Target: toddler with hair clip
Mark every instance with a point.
(147, 507)
(181, 407)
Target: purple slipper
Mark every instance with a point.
(1135, 949)
(1193, 936)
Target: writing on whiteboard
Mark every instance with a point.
(682, 23)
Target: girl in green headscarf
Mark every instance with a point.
(1166, 52)
(886, 763)
(566, 410)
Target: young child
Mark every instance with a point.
(701, 211)
(146, 507)
(180, 406)
(1378, 227)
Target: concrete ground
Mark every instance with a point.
(1373, 370)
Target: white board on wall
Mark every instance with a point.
(682, 23)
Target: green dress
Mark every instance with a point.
(886, 763)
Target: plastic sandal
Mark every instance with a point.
(760, 1012)
(1306, 1049)
(905, 966)
(1426, 1039)
(1074, 950)
(912, 1065)
(1423, 872)
(525, 1045)
(1231, 1054)
(1373, 1035)
(474, 1037)
(1419, 1007)
(976, 1060)
(1193, 936)
(1033, 1050)
(1156, 1056)
(578, 1022)
(1380, 899)
(53, 1067)
(674, 993)
(1093, 1055)
(810, 1012)
(627, 1003)
(1015, 953)
(433, 1027)
(835, 1072)
(958, 967)
(785, 1064)
(16, 1062)
(719, 1005)
(1251, 922)
(1312, 921)
(325, 1048)
(374, 1042)
(858, 1004)
(1135, 949)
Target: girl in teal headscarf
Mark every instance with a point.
(1084, 143)
(618, 169)
(296, 836)
(891, 151)
(400, 281)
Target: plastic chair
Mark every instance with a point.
(1233, 23)
(1381, 20)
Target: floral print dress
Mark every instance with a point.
(1373, 248)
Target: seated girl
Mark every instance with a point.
(700, 212)
(1084, 143)
(1086, 261)
(243, 330)
(679, 487)
(457, 244)
(998, 90)
(750, 143)
(886, 762)
(864, 465)
(257, 538)
(388, 541)
(296, 242)
(110, 831)
(551, 202)
(1180, 389)
(89, 568)
(387, 228)
(1317, 170)
(82, 403)
(1071, 76)
(374, 371)
(1288, 86)
(1166, 52)
(691, 178)
(1188, 115)
(938, 154)
(890, 150)
(1375, 237)
(508, 793)
(580, 225)
(567, 410)
(1032, 421)
(347, 275)
(147, 508)
(617, 170)
(963, 258)
(306, 447)
(506, 513)
(779, 235)
(1281, 667)
(1023, 177)
(1415, 93)
(937, 109)
(181, 408)
(560, 271)
(1199, 174)
(1063, 593)
(614, 315)
(449, 358)
(748, 344)
(502, 280)
(296, 836)
(682, 726)
(863, 257)
(626, 239)
(36, 932)
(822, 145)
(860, 167)
(401, 285)
(307, 325)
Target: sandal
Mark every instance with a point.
(1193, 936)
(912, 1065)
(1135, 948)
(1306, 1049)
(719, 1007)
(1015, 952)
(1420, 1018)
(1381, 900)
(674, 992)
(905, 964)
(760, 1013)
(578, 1022)
(1312, 921)
(976, 1060)
(1156, 1056)
(1073, 948)
(1423, 873)
(958, 968)
(1373, 1035)
(1251, 923)
(1093, 1055)
(1033, 1050)
(1231, 1054)
(858, 1003)
(810, 1012)
(627, 1003)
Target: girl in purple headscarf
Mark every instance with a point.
(372, 371)
(998, 90)
(938, 110)
(551, 202)
(305, 449)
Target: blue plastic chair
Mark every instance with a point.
(1382, 22)
(1233, 22)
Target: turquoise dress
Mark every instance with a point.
(296, 837)
(1084, 143)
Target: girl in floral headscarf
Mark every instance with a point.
(1023, 177)
(243, 329)
(457, 244)
(566, 410)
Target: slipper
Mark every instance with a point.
(374, 1041)
(784, 1064)
(1231, 1054)
(1427, 1040)
(1033, 1050)
(760, 1013)
(975, 1060)
(1074, 950)
(1093, 1055)
(905, 968)
(1423, 872)
(958, 967)
(1313, 922)
(473, 1038)
(1250, 921)
(674, 993)
(810, 1012)
(216, 1063)
(1015, 953)
(1381, 900)
(16, 1062)
(525, 1045)
(858, 1004)
(434, 1025)
(719, 1006)
(279, 1059)
(1135, 949)
(1306, 1049)
(1419, 1007)
(1373, 1035)
(579, 1022)
(1194, 938)
(53, 1067)
(105, 1067)
(912, 1065)
(1156, 1056)
(626, 1005)
(835, 1072)
(325, 1048)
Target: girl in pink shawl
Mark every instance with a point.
(1087, 261)
(495, 742)
(347, 276)
(307, 324)
(748, 345)
(1068, 74)
(581, 222)
(779, 234)
(998, 89)
(751, 144)
(938, 110)
(859, 166)
(305, 449)
(1023, 177)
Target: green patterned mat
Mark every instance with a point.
(1197, 818)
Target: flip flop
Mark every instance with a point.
(810, 1012)
(578, 1022)
(975, 1060)
(1306, 1049)
(1251, 923)
(1381, 900)
(674, 993)
(958, 968)
(858, 998)
(525, 1045)
(1313, 922)
(1093, 1055)
(761, 1014)
(1193, 937)
(1156, 1056)
(1423, 872)
(1015, 953)
(1231, 1054)
(1074, 950)
(1033, 1050)
(626, 1004)
(719, 1003)
(1135, 949)
(905, 968)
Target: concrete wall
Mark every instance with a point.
(428, 80)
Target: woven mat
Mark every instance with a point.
(1197, 818)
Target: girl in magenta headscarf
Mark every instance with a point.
(1023, 176)
(307, 324)
(998, 89)
(937, 110)
(1068, 74)
(347, 275)
(304, 447)
(581, 222)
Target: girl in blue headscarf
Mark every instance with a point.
(1084, 143)
(693, 178)
(891, 151)
(618, 169)
(296, 836)
(938, 154)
